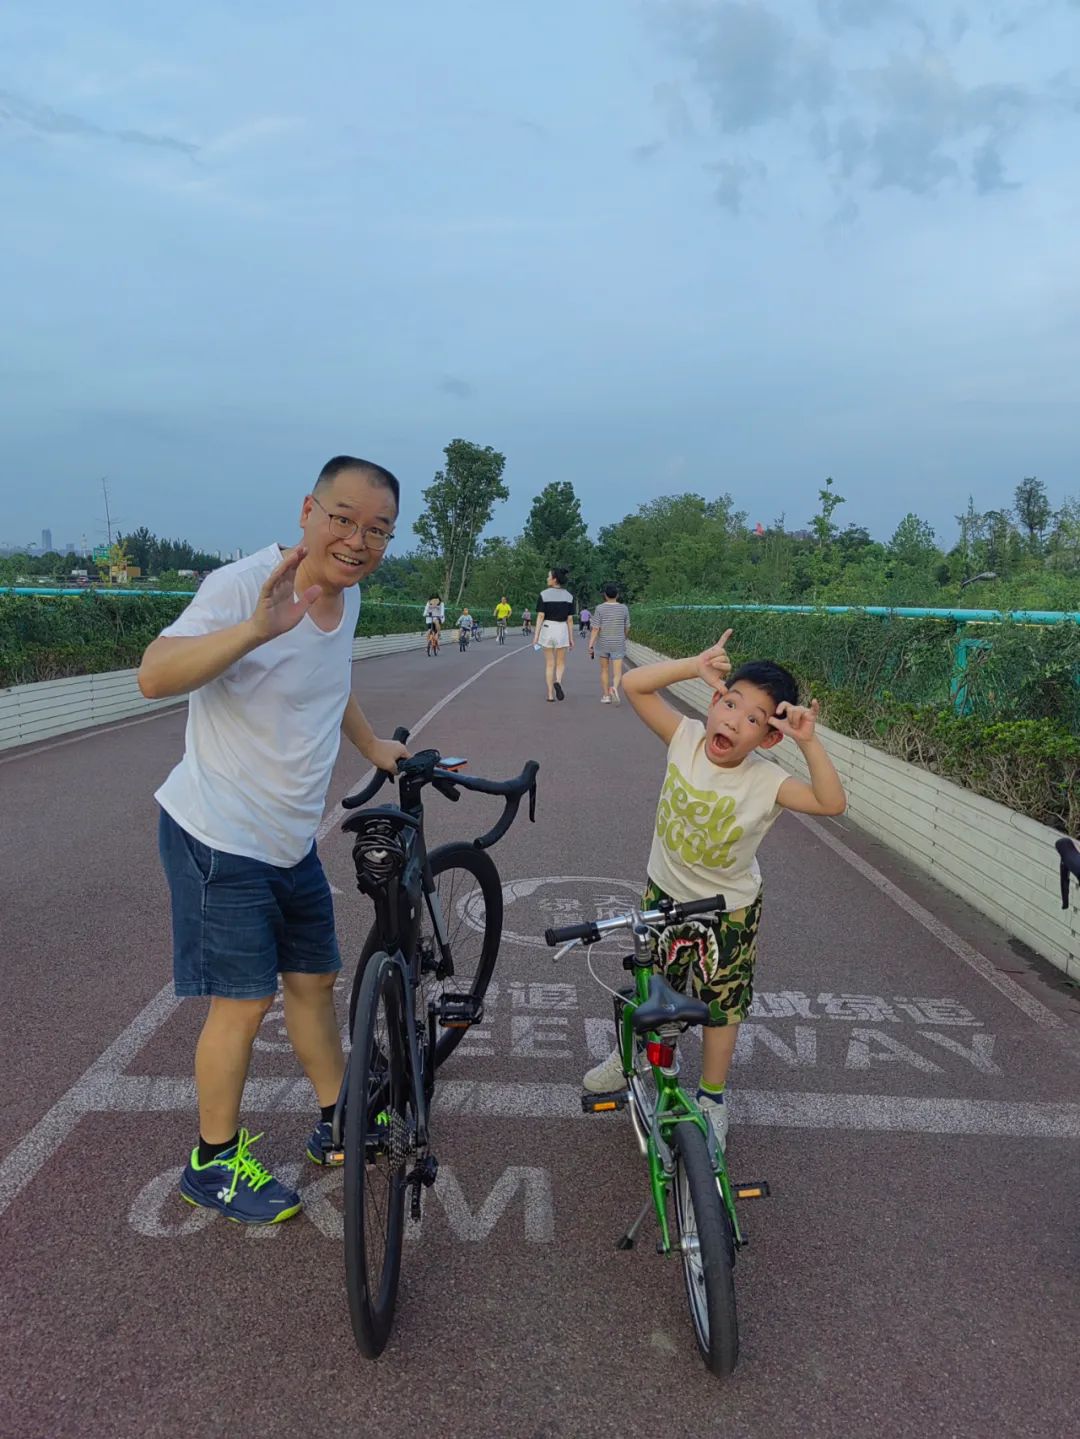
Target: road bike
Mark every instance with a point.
(432, 641)
(419, 986)
(478, 633)
(689, 1188)
(500, 628)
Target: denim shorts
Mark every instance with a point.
(238, 922)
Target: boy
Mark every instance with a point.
(464, 627)
(609, 638)
(716, 806)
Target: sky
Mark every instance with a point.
(646, 247)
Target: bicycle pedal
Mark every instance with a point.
(760, 1190)
(333, 1154)
(458, 1011)
(604, 1103)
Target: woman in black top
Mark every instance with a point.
(554, 632)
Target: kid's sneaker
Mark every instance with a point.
(714, 1109)
(239, 1186)
(607, 1076)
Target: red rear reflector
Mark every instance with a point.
(662, 1055)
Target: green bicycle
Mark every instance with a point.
(693, 1198)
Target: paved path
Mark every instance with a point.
(914, 1273)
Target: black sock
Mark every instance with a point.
(327, 1112)
(207, 1152)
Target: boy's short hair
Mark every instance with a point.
(611, 591)
(778, 683)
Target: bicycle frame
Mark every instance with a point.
(653, 1123)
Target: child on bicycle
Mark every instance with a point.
(464, 623)
(717, 804)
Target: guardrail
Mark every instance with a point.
(1001, 862)
(34, 712)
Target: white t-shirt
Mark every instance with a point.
(711, 820)
(262, 738)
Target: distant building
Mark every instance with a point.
(46, 541)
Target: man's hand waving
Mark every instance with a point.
(278, 610)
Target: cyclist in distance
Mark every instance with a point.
(264, 650)
(434, 617)
(503, 611)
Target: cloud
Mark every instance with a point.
(451, 385)
(875, 111)
(44, 120)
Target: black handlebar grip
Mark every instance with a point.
(701, 906)
(572, 931)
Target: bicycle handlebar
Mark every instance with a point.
(671, 911)
(448, 782)
(1069, 851)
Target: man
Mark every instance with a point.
(502, 614)
(265, 651)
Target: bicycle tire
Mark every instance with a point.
(708, 1272)
(473, 962)
(377, 1081)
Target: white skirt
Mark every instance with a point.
(553, 635)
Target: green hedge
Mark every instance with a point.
(45, 638)
(888, 681)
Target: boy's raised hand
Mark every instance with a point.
(797, 722)
(713, 665)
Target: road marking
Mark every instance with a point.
(338, 814)
(156, 1212)
(1013, 992)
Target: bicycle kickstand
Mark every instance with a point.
(626, 1241)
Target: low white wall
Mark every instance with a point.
(1001, 862)
(29, 713)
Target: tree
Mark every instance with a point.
(1033, 510)
(913, 542)
(556, 531)
(822, 523)
(457, 505)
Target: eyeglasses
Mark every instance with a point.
(345, 528)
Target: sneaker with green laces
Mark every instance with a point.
(238, 1185)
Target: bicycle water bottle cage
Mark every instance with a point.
(667, 1006)
(379, 849)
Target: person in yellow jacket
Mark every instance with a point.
(502, 614)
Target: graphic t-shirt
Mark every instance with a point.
(262, 738)
(465, 622)
(710, 822)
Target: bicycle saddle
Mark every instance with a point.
(667, 1006)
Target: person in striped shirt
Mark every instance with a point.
(611, 625)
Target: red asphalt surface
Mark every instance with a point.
(914, 1273)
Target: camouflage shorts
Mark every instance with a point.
(721, 975)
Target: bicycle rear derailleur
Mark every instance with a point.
(424, 1174)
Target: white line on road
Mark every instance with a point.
(1032, 1007)
(491, 1099)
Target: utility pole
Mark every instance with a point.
(108, 515)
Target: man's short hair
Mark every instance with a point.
(778, 683)
(375, 474)
(611, 591)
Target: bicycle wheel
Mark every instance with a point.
(377, 1135)
(707, 1248)
(470, 899)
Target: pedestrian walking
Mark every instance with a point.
(608, 640)
(554, 632)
